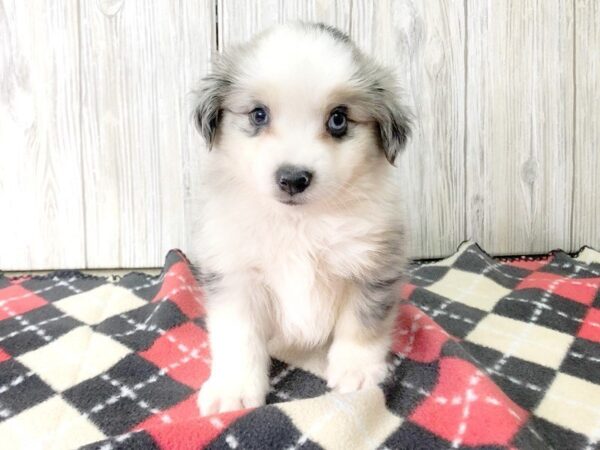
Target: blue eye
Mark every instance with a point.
(259, 116)
(337, 123)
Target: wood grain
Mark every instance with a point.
(240, 19)
(139, 66)
(41, 202)
(424, 44)
(99, 161)
(519, 124)
(586, 189)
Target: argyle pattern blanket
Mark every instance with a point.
(487, 354)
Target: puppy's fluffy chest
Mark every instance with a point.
(308, 271)
(305, 262)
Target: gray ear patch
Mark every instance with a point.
(393, 119)
(394, 128)
(207, 114)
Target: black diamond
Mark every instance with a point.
(294, 384)
(21, 334)
(557, 436)
(263, 428)
(523, 381)
(554, 312)
(143, 285)
(583, 360)
(147, 321)
(20, 389)
(403, 389)
(427, 275)
(120, 414)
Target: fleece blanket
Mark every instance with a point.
(487, 354)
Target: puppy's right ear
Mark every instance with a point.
(208, 112)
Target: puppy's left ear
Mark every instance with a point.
(394, 126)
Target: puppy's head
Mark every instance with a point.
(299, 114)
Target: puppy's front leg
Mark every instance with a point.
(239, 373)
(361, 341)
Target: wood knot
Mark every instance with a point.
(110, 7)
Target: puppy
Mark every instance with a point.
(300, 241)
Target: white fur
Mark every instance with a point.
(287, 272)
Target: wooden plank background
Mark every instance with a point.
(98, 157)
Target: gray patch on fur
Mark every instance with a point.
(334, 32)
(212, 92)
(206, 279)
(379, 293)
(393, 119)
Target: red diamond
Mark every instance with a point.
(180, 286)
(184, 351)
(16, 300)
(467, 408)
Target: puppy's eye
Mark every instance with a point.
(337, 123)
(259, 116)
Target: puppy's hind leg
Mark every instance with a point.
(237, 335)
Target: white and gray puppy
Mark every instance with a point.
(300, 241)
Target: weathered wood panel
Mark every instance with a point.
(586, 189)
(99, 160)
(239, 19)
(139, 65)
(519, 124)
(41, 201)
(425, 45)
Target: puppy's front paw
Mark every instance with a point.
(353, 365)
(218, 396)
(352, 377)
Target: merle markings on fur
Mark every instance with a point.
(301, 217)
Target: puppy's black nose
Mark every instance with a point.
(292, 180)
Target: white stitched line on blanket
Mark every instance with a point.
(194, 354)
(69, 286)
(458, 399)
(521, 300)
(277, 379)
(144, 325)
(118, 439)
(464, 293)
(469, 398)
(32, 326)
(414, 327)
(26, 324)
(551, 264)
(510, 298)
(551, 309)
(15, 382)
(231, 441)
(445, 313)
(5, 412)
(467, 320)
(70, 280)
(126, 391)
(37, 291)
(516, 343)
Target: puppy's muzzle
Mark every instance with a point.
(292, 179)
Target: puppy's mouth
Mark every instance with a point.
(291, 201)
